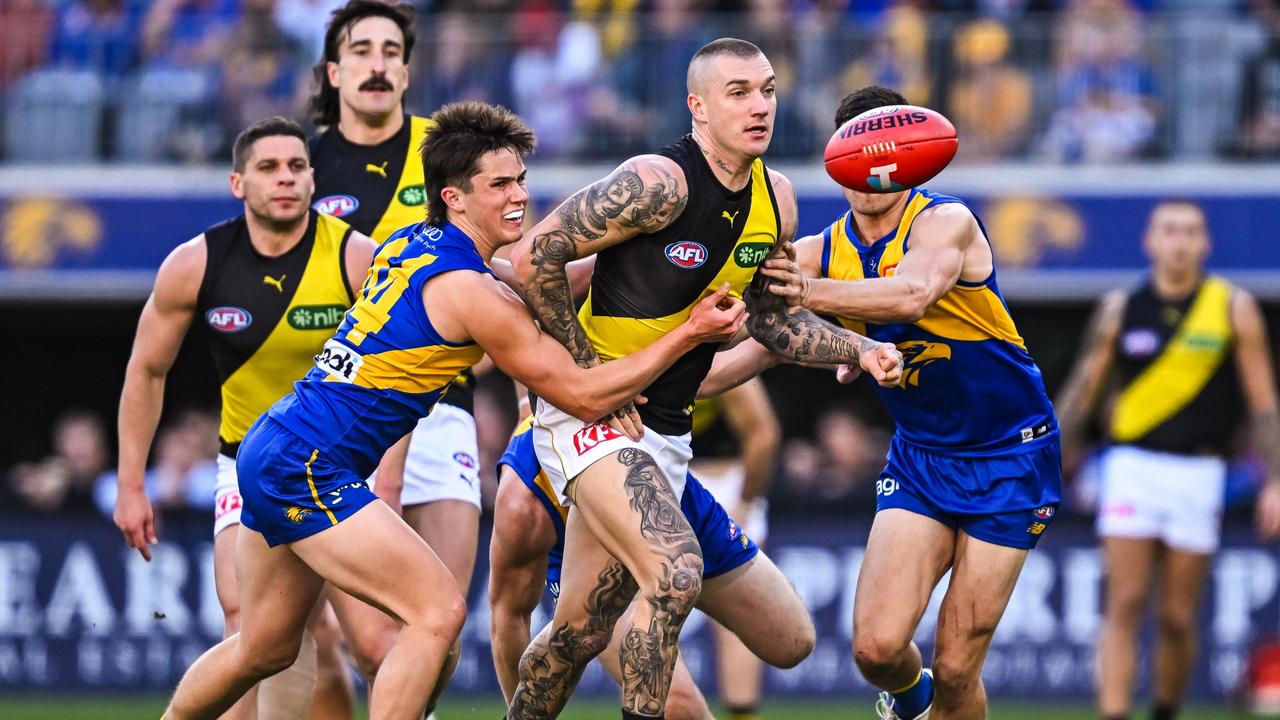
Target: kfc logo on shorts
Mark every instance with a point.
(686, 254)
(1044, 513)
(592, 435)
(227, 319)
(336, 205)
(227, 502)
(465, 460)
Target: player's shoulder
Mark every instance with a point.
(651, 166)
(183, 269)
(781, 183)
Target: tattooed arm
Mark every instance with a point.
(797, 334)
(645, 194)
(1257, 380)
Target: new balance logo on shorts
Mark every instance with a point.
(1031, 433)
(592, 435)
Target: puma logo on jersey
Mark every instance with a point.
(731, 218)
(378, 169)
(277, 284)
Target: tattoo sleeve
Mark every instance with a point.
(798, 334)
(623, 201)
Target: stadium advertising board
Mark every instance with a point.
(79, 611)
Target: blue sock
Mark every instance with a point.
(913, 699)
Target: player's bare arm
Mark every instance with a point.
(357, 259)
(755, 426)
(164, 322)
(483, 309)
(645, 194)
(1076, 399)
(1257, 380)
(796, 333)
(946, 246)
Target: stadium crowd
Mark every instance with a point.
(601, 79)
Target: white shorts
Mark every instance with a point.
(724, 479)
(443, 462)
(1176, 499)
(226, 495)
(566, 446)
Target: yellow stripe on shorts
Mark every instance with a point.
(311, 484)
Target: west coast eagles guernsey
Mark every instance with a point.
(386, 366)
(968, 387)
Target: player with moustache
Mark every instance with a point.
(973, 476)
(369, 172)
(430, 307)
(268, 288)
(666, 229)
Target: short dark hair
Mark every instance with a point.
(459, 135)
(323, 105)
(269, 127)
(721, 46)
(868, 98)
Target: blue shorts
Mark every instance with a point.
(1008, 500)
(289, 490)
(724, 546)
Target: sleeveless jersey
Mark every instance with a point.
(386, 366)
(378, 189)
(968, 386)
(1180, 391)
(647, 286)
(266, 317)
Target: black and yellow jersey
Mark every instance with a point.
(712, 437)
(267, 317)
(1179, 390)
(647, 286)
(378, 189)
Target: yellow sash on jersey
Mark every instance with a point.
(1180, 372)
(408, 204)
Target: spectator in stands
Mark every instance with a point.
(305, 21)
(552, 71)
(1259, 134)
(24, 38)
(465, 59)
(990, 99)
(184, 473)
(898, 56)
(98, 35)
(260, 68)
(823, 38)
(63, 482)
(188, 33)
(837, 473)
(1106, 107)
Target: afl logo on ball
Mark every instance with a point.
(228, 319)
(686, 254)
(336, 205)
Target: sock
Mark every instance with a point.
(915, 698)
(1164, 712)
(636, 716)
(743, 712)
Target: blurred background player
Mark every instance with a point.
(973, 476)
(269, 288)
(1185, 347)
(369, 173)
(735, 454)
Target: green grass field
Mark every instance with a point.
(149, 708)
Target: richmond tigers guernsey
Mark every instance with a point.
(266, 317)
(645, 287)
(378, 189)
(968, 387)
(386, 366)
(1179, 388)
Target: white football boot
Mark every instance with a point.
(884, 705)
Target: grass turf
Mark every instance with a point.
(149, 707)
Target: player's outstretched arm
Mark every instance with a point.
(522, 537)
(1253, 364)
(488, 312)
(645, 194)
(163, 323)
(940, 239)
(735, 366)
(796, 333)
(1076, 399)
(755, 425)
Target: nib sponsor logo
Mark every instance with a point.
(592, 435)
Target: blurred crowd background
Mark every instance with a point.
(1060, 81)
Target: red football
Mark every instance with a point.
(890, 148)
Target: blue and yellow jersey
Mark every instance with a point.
(386, 366)
(968, 385)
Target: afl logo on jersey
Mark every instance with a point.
(228, 319)
(336, 205)
(686, 254)
(1140, 343)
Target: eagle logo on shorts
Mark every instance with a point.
(916, 354)
(296, 514)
